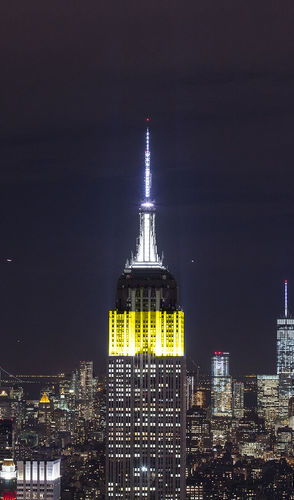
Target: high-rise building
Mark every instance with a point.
(38, 480)
(221, 385)
(198, 433)
(86, 389)
(268, 398)
(5, 403)
(6, 438)
(8, 480)
(146, 374)
(190, 390)
(238, 400)
(285, 356)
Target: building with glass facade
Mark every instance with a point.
(285, 357)
(221, 385)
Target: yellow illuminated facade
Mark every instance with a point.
(160, 333)
(44, 398)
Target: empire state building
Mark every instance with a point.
(146, 373)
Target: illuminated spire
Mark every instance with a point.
(286, 298)
(146, 253)
(44, 398)
(147, 166)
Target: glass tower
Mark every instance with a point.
(146, 374)
(221, 385)
(285, 356)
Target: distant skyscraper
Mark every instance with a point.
(146, 374)
(268, 398)
(5, 404)
(285, 356)
(198, 434)
(86, 389)
(38, 480)
(190, 390)
(238, 399)
(221, 385)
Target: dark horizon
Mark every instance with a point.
(76, 87)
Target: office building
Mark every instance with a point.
(198, 433)
(285, 356)
(146, 374)
(86, 389)
(268, 399)
(38, 480)
(238, 399)
(190, 390)
(6, 438)
(221, 385)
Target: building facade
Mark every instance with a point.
(86, 389)
(146, 374)
(190, 390)
(285, 357)
(221, 385)
(238, 400)
(268, 398)
(38, 480)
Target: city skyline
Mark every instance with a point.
(146, 259)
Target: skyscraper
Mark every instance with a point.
(238, 400)
(285, 356)
(268, 399)
(146, 374)
(86, 389)
(190, 390)
(38, 479)
(221, 385)
(6, 438)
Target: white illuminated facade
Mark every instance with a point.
(146, 443)
(38, 480)
(8, 471)
(285, 357)
(221, 385)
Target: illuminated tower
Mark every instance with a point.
(221, 385)
(146, 374)
(285, 356)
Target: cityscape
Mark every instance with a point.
(150, 427)
(146, 258)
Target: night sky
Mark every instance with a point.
(77, 80)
